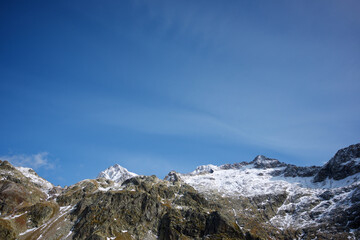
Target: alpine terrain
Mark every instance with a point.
(260, 199)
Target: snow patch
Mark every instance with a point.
(29, 173)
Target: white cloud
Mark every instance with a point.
(35, 161)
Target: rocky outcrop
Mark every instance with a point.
(173, 177)
(39, 213)
(148, 206)
(295, 171)
(261, 161)
(17, 190)
(24, 202)
(345, 163)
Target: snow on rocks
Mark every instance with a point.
(205, 169)
(306, 200)
(116, 173)
(39, 181)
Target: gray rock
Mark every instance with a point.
(342, 165)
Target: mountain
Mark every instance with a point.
(116, 173)
(346, 162)
(260, 199)
(286, 196)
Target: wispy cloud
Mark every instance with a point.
(306, 135)
(38, 160)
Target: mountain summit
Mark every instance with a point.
(345, 163)
(116, 173)
(261, 161)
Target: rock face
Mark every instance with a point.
(173, 177)
(147, 207)
(261, 199)
(345, 163)
(25, 201)
(263, 162)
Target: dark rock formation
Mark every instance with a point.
(261, 161)
(345, 163)
(295, 171)
(173, 177)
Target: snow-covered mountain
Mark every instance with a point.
(116, 173)
(260, 199)
(313, 196)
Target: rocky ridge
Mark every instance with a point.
(260, 199)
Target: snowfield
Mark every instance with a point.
(302, 193)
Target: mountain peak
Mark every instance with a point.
(116, 173)
(346, 162)
(260, 161)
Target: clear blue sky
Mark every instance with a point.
(162, 85)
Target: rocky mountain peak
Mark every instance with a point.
(173, 176)
(6, 165)
(116, 173)
(345, 163)
(261, 161)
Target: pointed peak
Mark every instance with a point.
(260, 161)
(259, 158)
(116, 173)
(345, 163)
(118, 166)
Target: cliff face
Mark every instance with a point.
(345, 163)
(261, 199)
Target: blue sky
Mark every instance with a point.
(162, 85)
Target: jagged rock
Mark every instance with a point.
(173, 177)
(78, 191)
(327, 195)
(346, 162)
(355, 197)
(218, 225)
(41, 212)
(234, 165)
(16, 189)
(144, 204)
(261, 161)
(205, 169)
(295, 171)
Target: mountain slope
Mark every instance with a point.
(260, 199)
(346, 162)
(287, 196)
